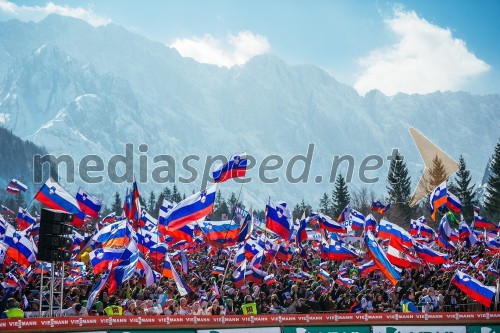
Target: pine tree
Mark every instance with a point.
(176, 196)
(167, 194)
(152, 203)
(340, 196)
(464, 191)
(233, 202)
(301, 208)
(20, 200)
(117, 204)
(492, 195)
(324, 204)
(220, 207)
(399, 190)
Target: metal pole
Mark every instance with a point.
(51, 297)
(41, 291)
(62, 290)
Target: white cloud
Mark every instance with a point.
(37, 13)
(425, 59)
(235, 51)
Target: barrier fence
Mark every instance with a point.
(373, 321)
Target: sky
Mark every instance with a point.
(419, 46)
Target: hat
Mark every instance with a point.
(230, 291)
(309, 293)
(96, 304)
(35, 301)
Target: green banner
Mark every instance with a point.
(328, 329)
(153, 331)
(483, 328)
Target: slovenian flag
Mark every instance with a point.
(193, 208)
(473, 288)
(122, 272)
(453, 203)
(7, 210)
(24, 219)
(270, 279)
(380, 259)
(430, 256)
(356, 219)
(379, 207)
(20, 248)
(169, 272)
(90, 205)
(438, 199)
(52, 195)
(278, 219)
(323, 275)
(14, 183)
(481, 222)
(217, 270)
(235, 167)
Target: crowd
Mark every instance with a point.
(423, 289)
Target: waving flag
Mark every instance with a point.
(370, 224)
(473, 288)
(234, 168)
(191, 209)
(356, 220)
(246, 225)
(326, 223)
(7, 210)
(169, 271)
(278, 219)
(238, 276)
(367, 268)
(89, 205)
(380, 259)
(333, 250)
(16, 184)
(481, 222)
(220, 232)
(493, 245)
(147, 239)
(301, 235)
(122, 272)
(401, 259)
(438, 199)
(270, 279)
(342, 281)
(12, 190)
(379, 207)
(397, 235)
(116, 234)
(323, 275)
(20, 248)
(101, 258)
(110, 218)
(430, 256)
(344, 215)
(453, 203)
(52, 195)
(24, 219)
(166, 206)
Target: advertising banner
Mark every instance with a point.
(419, 329)
(327, 329)
(483, 328)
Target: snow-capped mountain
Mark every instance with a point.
(79, 90)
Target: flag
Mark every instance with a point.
(344, 281)
(301, 235)
(278, 219)
(24, 219)
(116, 234)
(238, 276)
(270, 279)
(52, 195)
(473, 288)
(333, 250)
(430, 256)
(367, 268)
(16, 184)
(217, 270)
(96, 289)
(193, 208)
(396, 235)
(344, 215)
(166, 206)
(246, 227)
(370, 224)
(235, 167)
(101, 258)
(122, 272)
(20, 248)
(110, 218)
(453, 203)
(7, 210)
(401, 258)
(89, 204)
(12, 190)
(147, 239)
(220, 232)
(380, 259)
(356, 220)
(379, 207)
(438, 199)
(169, 271)
(326, 223)
(481, 222)
(323, 275)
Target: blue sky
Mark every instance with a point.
(404, 46)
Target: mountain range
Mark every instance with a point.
(77, 89)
